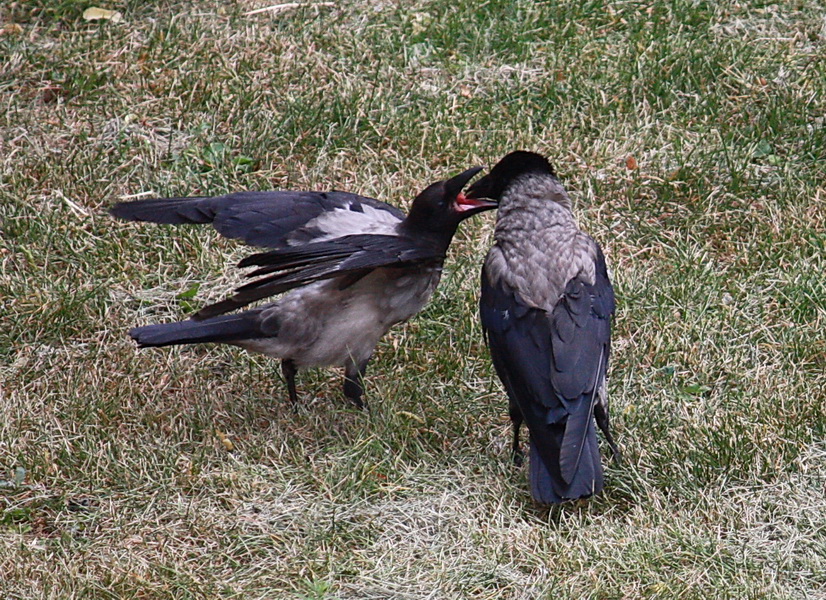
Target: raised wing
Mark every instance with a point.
(349, 257)
(276, 219)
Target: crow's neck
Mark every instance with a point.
(438, 238)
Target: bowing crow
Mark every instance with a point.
(353, 267)
(546, 306)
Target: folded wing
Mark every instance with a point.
(552, 365)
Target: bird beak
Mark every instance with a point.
(480, 189)
(473, 205)
(465, 205)
(454, 185)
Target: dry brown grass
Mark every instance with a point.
(180, 473)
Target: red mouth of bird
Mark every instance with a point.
(463, 203)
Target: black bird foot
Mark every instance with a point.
(353, 392)
(354, 384)
(518, 458)
(289, 370)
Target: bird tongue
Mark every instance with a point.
(464, 203)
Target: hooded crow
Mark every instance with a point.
(546, 307)
(353, 267)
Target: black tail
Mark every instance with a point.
(548, 486)
(229, 328)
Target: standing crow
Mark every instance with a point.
(546, 307)
(359, 265)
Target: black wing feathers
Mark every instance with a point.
(519, 338)
(264, 219)
(290, 223)
(352, 255)
(582, 333)
(168, 211)
(552, 365)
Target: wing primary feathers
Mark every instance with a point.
(577, 428)
(288, 269)
(274, 219)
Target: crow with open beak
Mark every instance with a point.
(353, 267)
(546, 306)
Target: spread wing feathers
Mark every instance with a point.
(552, 366)
(270, 219)
(349, 257)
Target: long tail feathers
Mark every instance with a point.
(228, 328)
(542, 486)
(548, 485)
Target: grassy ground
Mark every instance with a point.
(692, 137)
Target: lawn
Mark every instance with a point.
(691, 135)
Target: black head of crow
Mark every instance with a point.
(435, 213)
(353, 267)
(515, 166)
(546, 306)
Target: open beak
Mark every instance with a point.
(481, 188)
(465, 205)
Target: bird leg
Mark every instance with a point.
(516, 421)
(354, 382)
(601, 416)
(288, 369)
